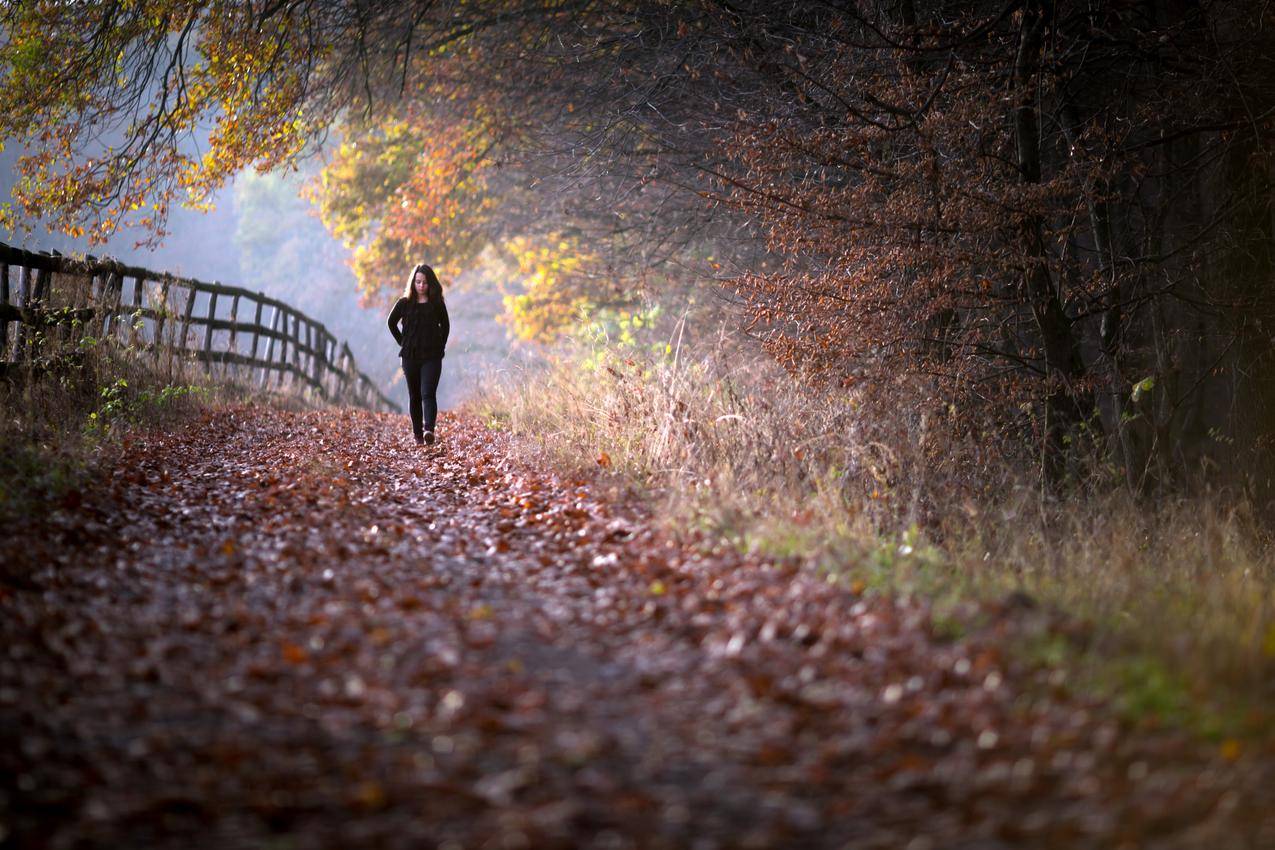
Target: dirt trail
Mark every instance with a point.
(293, 630)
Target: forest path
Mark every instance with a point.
(295, 629)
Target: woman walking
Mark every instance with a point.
(421, 340)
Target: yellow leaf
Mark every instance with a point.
(658, 588)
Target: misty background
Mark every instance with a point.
(262, 235)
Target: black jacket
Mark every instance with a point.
(425, 328)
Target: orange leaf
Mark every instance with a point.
(370, 794)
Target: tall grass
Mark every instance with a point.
(1175, 599)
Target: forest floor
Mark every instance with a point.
(296, 629)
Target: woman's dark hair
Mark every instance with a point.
(433, 289)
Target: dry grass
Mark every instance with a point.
(1179, 595)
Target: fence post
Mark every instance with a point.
(234, 332)
(306, 361)
(161, 314)
(296, 350)
(274, 326)
(39, 292)
(188, 316)
(139, 283)
(105, 300)
(287, 347)
(41, 284)
(284, 346)
(24, 301)
(97, 286)
(256, 326)
(208, 331)
(316, 363)
(4, 323)
(330, 354)
(343, 376)
(309, 364)
(64, 331)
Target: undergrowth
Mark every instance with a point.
(72, 394)
(1174, 599)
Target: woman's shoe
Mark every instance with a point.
(429, 437)
(420, 439)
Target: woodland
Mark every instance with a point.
(892, 465)
(1058, 214)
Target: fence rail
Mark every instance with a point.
(158, 311)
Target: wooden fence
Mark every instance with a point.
(257, 338)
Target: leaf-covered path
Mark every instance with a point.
(280, 629)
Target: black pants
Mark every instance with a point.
(422, 392)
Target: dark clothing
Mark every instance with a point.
(422, 388)
(425, 329)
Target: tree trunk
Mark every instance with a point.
(1119, 291)
(1062, 358)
